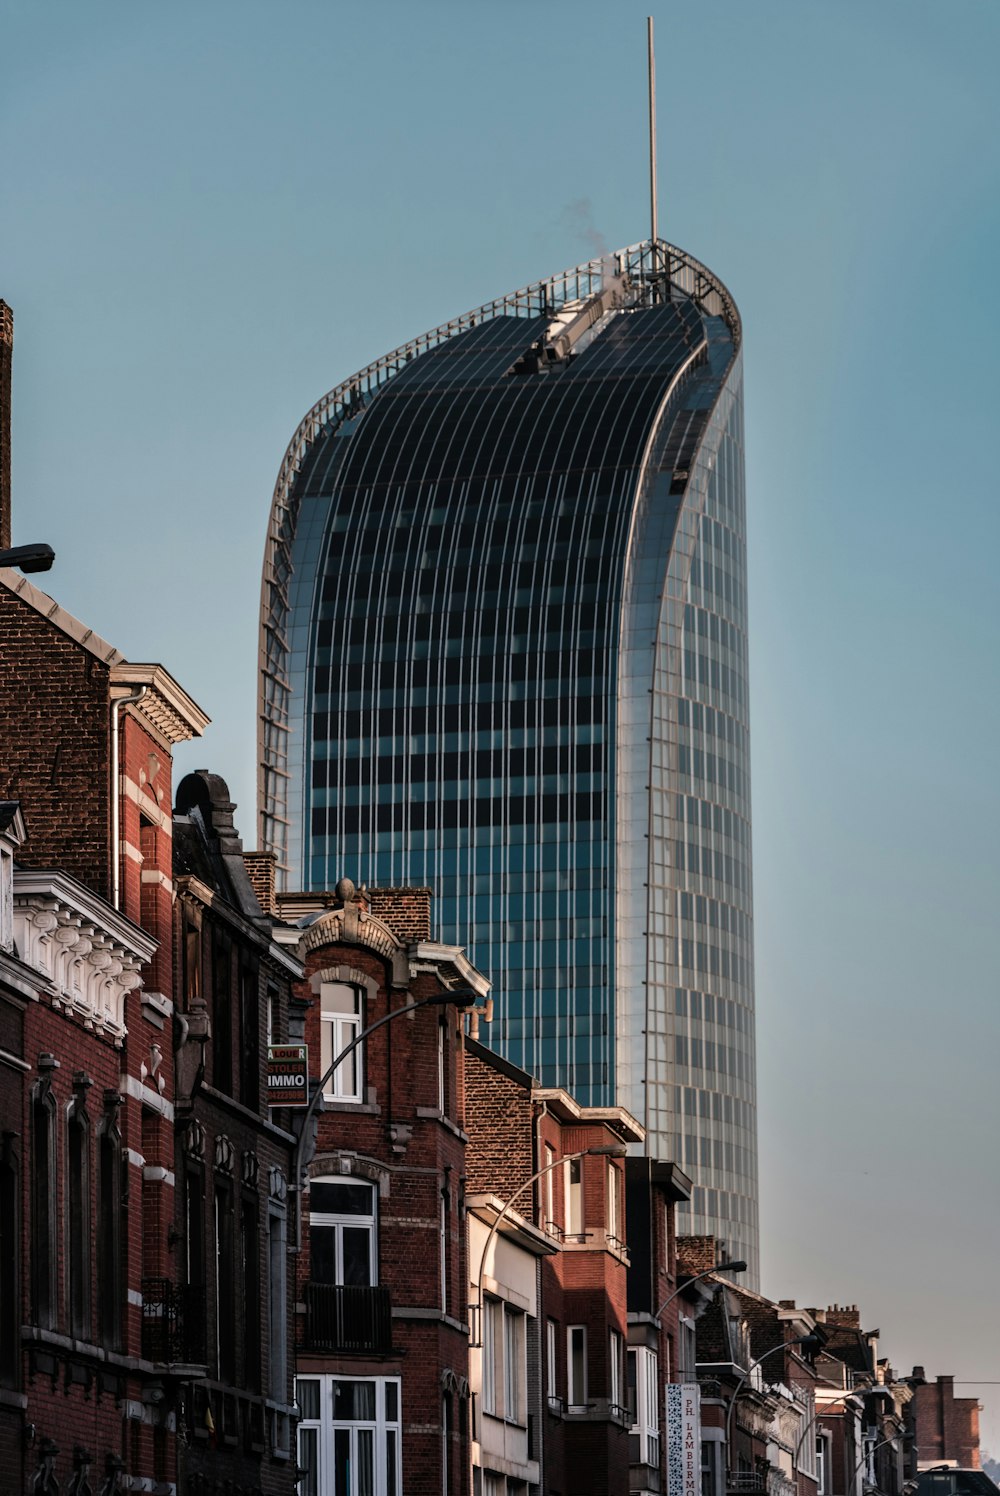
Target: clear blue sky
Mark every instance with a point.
(211, 213)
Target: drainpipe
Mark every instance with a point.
(116, 814)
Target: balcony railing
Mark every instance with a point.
(745, 1482)
(340, 1318)
(173, 1322)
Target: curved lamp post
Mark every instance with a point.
(462, 997)
(900, 1434)
(599, 1150)
(737, 1266)
(783, 1346)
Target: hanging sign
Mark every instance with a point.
(683, 1439)
(288, 1075)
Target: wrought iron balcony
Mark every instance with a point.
(745, 1482)
(173, 1322)
(341, 1318)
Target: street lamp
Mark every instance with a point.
(38, 557)
(809, 1339)
(599, 1150)
(462, 997)
(737, 1266)
(899, 1434)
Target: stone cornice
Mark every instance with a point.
(88, 955)
(166, 706)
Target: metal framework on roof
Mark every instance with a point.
(653, 271)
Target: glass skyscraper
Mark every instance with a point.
(504, 654)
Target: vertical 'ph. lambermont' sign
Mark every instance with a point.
(683, 1439)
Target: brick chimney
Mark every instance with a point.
(6, 357)
(847, 1316)
(696, 1254)
(260, 868)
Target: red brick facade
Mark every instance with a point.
(402, 1144)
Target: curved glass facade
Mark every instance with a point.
(504, 655)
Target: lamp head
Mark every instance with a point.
(737, 1266)
(38, 557)
(607, 1150)
(462, 997)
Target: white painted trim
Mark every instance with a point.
(157, 1174)
(135, 1088)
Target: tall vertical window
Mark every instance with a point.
(550, 1223)
(574, 1197)
(822, 1464)
(225, 1284)
(349, 1436)
(250, 1290)
(109, 1236)
(614, 1223)
(576, 1366)
(78, 1218)
(504, 1364)
(491, 1318)
(513, 1363)
(551, 1360)
(443, 1246)
(342, 1232)
(277, 1302)
(194, 1227)
(643, 1405)
(43, 1208)
(340, 1024)
(615, 1369)
(10, 1276)
(249, 1036)
(442, 1067)
(222, 1011)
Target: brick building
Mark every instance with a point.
(660, 1314)
(565, 1163)
(87, 740)
(146, 1319)
(222, 1293)
(945, 1427)
(382, 1362)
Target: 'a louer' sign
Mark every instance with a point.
(288, 1075)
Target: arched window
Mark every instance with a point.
(109, 1235)
(343, 1242)
(43, 1207)
(78, 1215)
(340, 1023)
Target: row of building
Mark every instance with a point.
(430, 1274)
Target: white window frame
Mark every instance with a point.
(574, 1196)
(551, 1359)
(338, 1027)
(550, 1224)
(338, 1221)
(324, 1429)
(514, 1369)
(647, 1403)
(614, 1226)
(488, 1392)
(822, 1464)
(576, 1395)
(615, 1345)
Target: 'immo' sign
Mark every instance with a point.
(288, 1075)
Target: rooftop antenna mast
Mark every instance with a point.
(652, 130)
